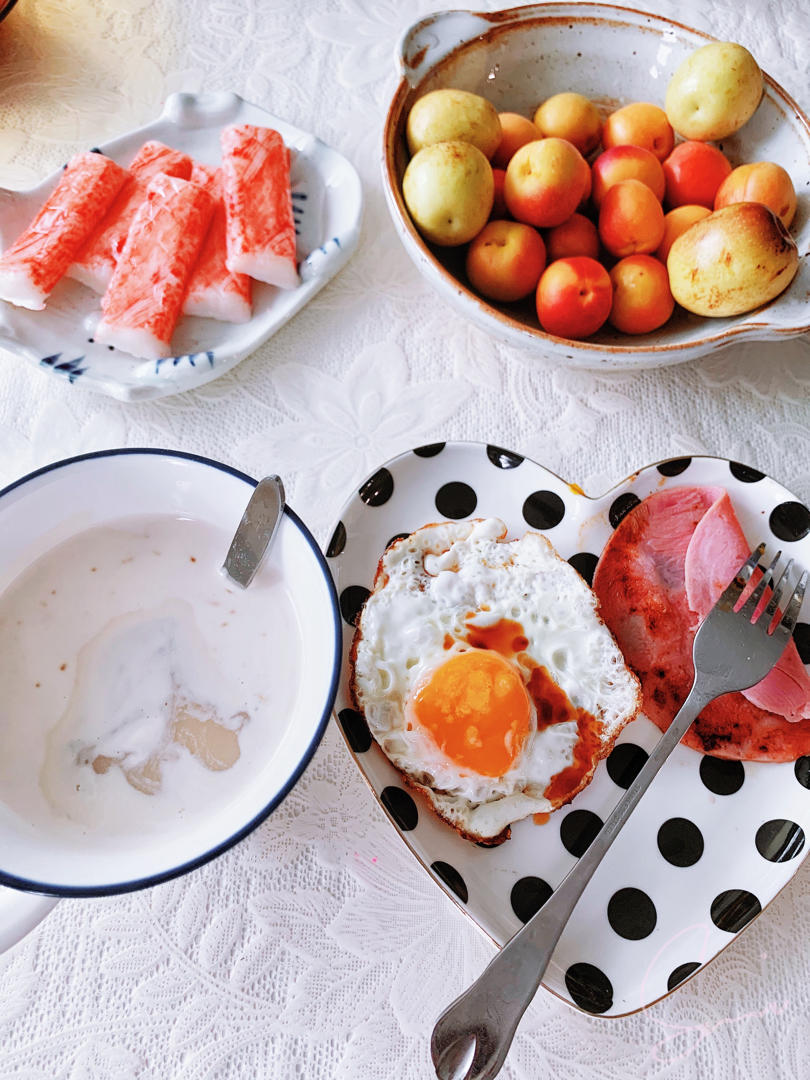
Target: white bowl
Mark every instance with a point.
(613, 55)
(55, 503)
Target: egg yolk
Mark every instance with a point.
(476, 708)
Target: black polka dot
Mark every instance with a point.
(589, 988)
(720, 776)
(622, 506)
(528, 896)
(801, 639)
(452, 879)
(351, 602)
(401, 807)
(683, 971)
(625, 763)
(578, 829)
(585, 565)
(338, 541)
(631, 913)
(378, 489)
(674, 467)
(779, 840)
(802, 771)
(680, 841)
(503, 459)
(355, 729)
(396, 538)
(456, 500)
(430, 450)
(745, 473)
(543, 509)
(790, 521)
(733, 909)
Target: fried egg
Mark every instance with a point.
(486, 675)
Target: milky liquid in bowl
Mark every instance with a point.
(141, 688)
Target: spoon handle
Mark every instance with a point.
(255, 532)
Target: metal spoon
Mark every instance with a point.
(255, 532)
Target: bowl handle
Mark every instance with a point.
(201, 110)
(20, 913)
(434, 37)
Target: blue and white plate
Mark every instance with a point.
(711, 843)
(327, 205)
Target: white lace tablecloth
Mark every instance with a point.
(318, 948)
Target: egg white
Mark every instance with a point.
(427, 585)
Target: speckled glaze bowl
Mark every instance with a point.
(613, 55)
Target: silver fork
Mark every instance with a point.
(732, 651)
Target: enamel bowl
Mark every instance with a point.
(50, 506)
(613, 55)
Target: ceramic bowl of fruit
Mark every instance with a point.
(604, 187)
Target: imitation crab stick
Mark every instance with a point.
(260, 229)
(142, 303)
(35, 262)
(214, 291)
(96, 263)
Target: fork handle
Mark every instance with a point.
(489, 1011)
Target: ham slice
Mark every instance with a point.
(715, 554)
(258, 205)
(95, 265)
(142, 304)
(660, 573)
(31, 267)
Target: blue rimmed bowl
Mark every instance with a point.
(62, 500)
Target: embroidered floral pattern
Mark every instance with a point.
(317, 948)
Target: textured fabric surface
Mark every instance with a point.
(318, 948)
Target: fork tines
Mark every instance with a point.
(753, 605)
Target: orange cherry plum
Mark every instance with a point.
(587, 182)
(505, 260)
(516, 131)
(570, 116)
(640, 124)
(631, 220)
(545, 182)
(626, 163)
(576, 236)
(574, 297)
(693, 172)
(642, 300)
(761, 182)
(677, 221)
(499, 210)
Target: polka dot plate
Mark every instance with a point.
(712, 841)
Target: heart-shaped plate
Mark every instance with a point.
(711, 843)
